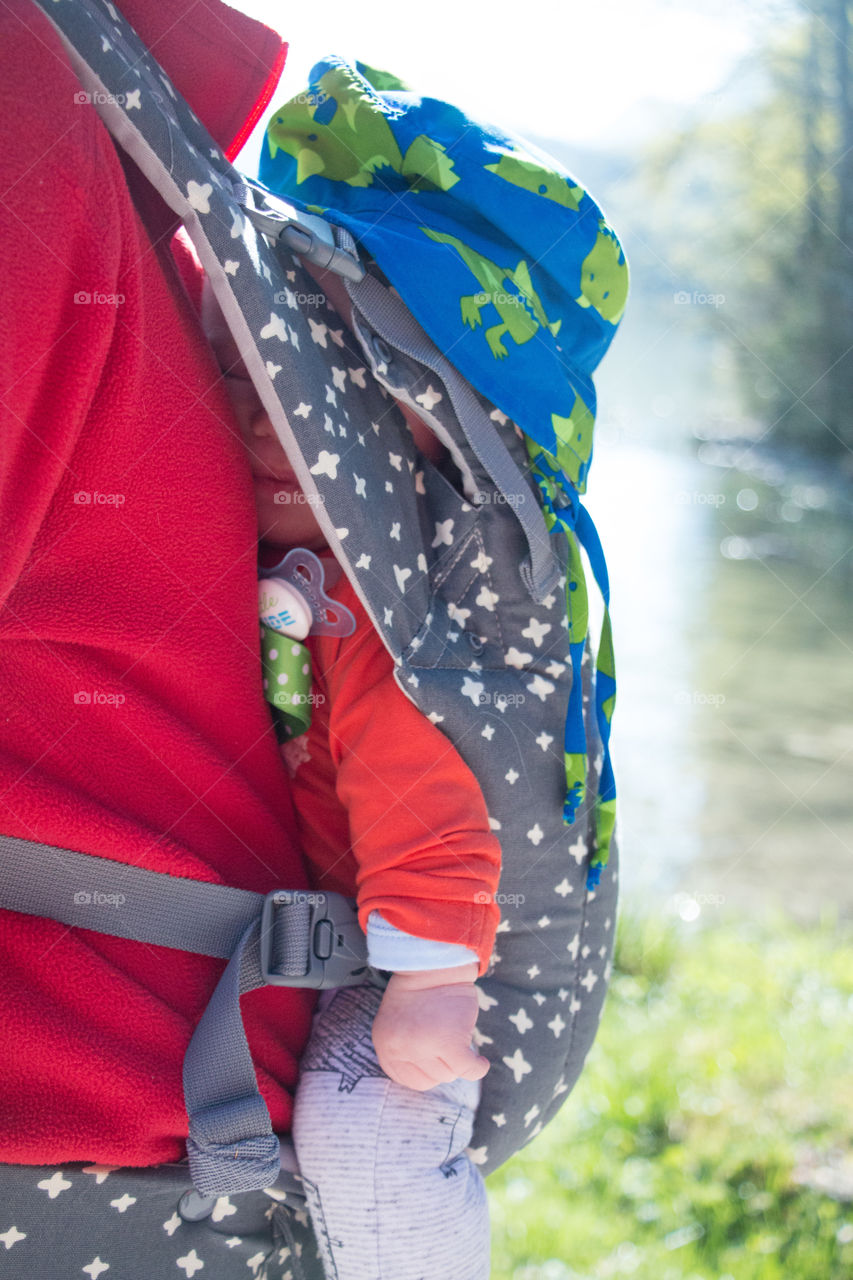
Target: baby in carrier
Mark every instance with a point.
(389, 813)
(511, 270)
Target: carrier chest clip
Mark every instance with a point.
(304, 233)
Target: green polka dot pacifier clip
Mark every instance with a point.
(293, 604)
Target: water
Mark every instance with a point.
(732, 606)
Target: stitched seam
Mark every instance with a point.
(441, 576)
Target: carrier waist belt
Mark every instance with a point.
(297, 938)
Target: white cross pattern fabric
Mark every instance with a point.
(104, 1222)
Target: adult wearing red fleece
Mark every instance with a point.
(133, 724)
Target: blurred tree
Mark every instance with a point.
(759, 202)
(841, 374)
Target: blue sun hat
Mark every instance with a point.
(509, 266)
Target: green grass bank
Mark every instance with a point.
(711, 1135)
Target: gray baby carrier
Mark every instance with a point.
(429, 595)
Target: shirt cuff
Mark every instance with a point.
(392, 949)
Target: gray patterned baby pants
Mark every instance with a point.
(391, 1191)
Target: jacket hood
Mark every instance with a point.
(225, 64)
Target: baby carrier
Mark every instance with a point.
(464, 570)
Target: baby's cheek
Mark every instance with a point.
(277, 456)
(425, 440)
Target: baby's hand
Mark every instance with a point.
(422, 1030)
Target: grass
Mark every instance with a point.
(711, 1134)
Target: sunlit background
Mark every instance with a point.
(709, 1137)
(728, 538)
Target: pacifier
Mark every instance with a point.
(283, 609)
(293, 600)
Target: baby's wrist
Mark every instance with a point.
(421, 979)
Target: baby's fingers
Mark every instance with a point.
(477, 1068)
(465, 1065)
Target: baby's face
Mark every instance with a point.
(285, 516)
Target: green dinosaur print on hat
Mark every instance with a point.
(532, 176)
(606, 664)
(354, 141)
(428, 166)
(577, 597)
(522, 315)
(382, 80)
(351, 140)
(574, 438)
(604, 276)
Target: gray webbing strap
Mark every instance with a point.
(128, 902)
(388, 315)
(231, 1144)
(287, 938)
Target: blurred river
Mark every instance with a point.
(732, 606)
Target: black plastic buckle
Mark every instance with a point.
(337, 947)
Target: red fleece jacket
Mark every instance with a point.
(133, 724)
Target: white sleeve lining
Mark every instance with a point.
(393, 949)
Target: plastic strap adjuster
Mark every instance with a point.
(306, 234)
(337, 948)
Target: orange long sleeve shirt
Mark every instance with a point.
(387, 810)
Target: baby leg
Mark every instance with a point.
(391, 1193)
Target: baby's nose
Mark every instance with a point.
(260, 423)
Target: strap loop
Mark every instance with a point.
(220, 1168)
